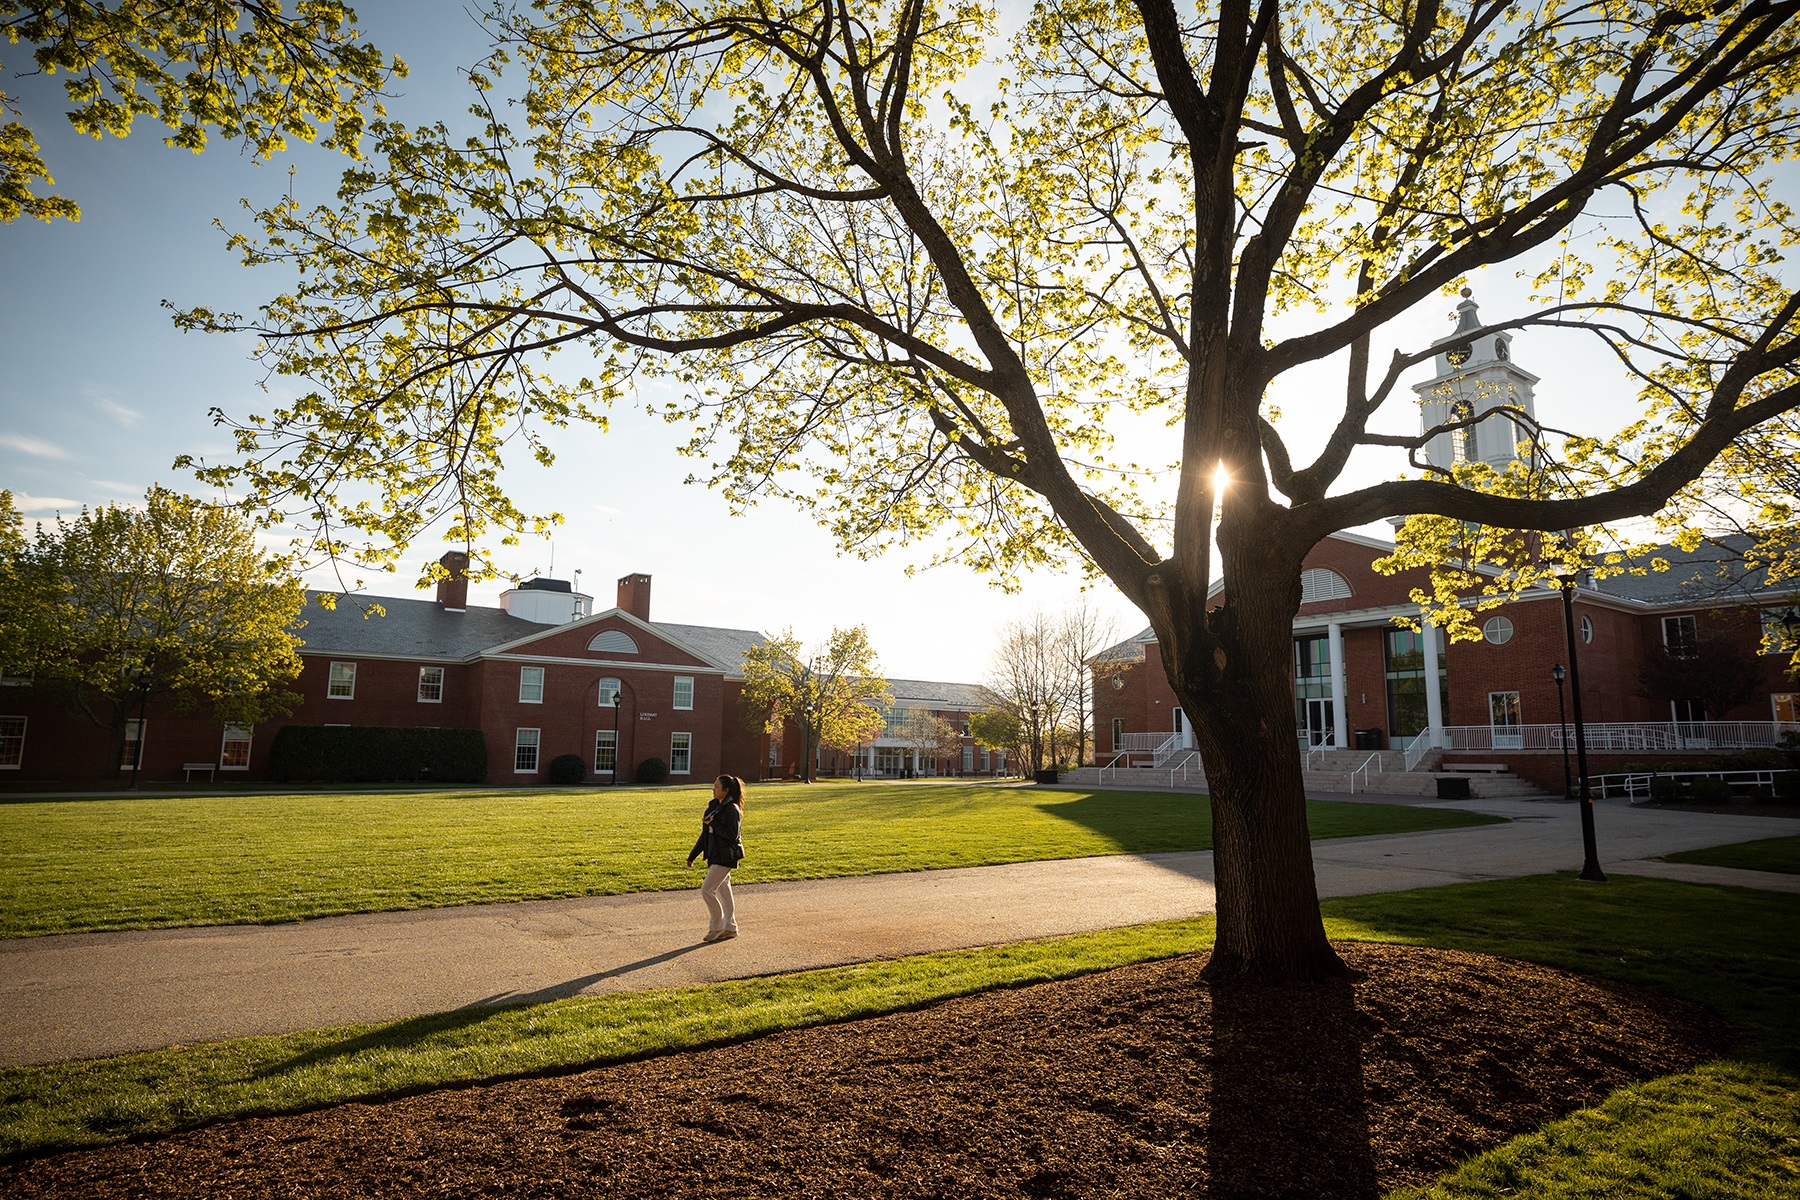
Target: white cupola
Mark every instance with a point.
(1474, 376)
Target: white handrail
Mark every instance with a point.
(1318, 750)
(1427, 740)
(1364, 772)
(1622, 735)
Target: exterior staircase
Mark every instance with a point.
(1329, 771)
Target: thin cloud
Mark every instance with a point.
(47, 506)
(36, 447)
(128, 417)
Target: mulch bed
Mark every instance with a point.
(1137, 1082)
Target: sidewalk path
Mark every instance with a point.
(90, 995)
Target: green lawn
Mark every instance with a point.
(1771, 854)
(82, 865)
(1728, 1129)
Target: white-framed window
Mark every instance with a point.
(1785, 704)
(606, 751)
(613, 641)
(684, 691)
(234, 750)
(1497, 630)
(431, 685)
(774, 753)
(1680, 635)
(1776, 638)
(681, 753)
(1118, 730)
(1587, 630)
(343, 682)
(525, 751)
(531, 686)
(1000, 763)
(1504, 720)
(12, 743)
(984, 762)
(608, 692)
(968, 759)
(134, 744)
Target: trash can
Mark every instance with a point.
(1368, 739)
(1453, 787)
(1047, 776)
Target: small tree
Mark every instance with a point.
(831, 695)
(1720, 673)
(1000, 728)
(173, 602)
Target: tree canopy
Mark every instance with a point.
(832, 694)
(921, 279)
(243, 70)
(174, 602)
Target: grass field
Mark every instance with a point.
(1728, 1129)
(1770, 854)
(84, 865)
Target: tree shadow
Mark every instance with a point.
(1289, 1114)
(414, 1030)
(1141, 822)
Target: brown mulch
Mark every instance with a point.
(1138, 1082)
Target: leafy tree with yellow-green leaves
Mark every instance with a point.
(832, 694)
(243, 70)
(174, 602)
(915, 276)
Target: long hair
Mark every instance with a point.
(734, 790)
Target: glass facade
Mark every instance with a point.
(1312, 674)
(1404, 652)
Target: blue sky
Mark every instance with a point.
(100, 393)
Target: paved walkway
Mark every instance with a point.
(89, 995)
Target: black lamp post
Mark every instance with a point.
(1036, 755)
(618, 698)
(141, 680)
(1562, 717)
(1590, 867)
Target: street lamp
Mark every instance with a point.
(142, 680)
(1562, 717)
(618, 698)
(1036, 754)
(1790, 625)
(1590, 866)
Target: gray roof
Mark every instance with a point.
(1129, 650)
(411, 628)
(727, 646)
(1713, 573)
(944, 695)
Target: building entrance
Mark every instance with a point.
(1321, 725)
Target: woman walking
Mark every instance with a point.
(720, 831)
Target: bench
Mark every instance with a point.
(1481, 768)
(190, 768)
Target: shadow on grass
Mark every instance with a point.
(1289, 1113)
(1140, 822)
(401, 1034)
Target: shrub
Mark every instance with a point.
(1709, 791)
(653, 770)
(567, 768)
(1787, 787)
(1664, 788)
(377, 754)
(1751, 760)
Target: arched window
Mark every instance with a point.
(1320, 584)
(614, 641)
(1462, 441)
(609, 691)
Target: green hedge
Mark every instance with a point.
(377, 754)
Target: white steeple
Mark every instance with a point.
(1474, 376)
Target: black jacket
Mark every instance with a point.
(720, 837)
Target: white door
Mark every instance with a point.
(1184, 738)
(1321, 721)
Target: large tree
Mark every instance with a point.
(910, 276)
(832, 694)
(238, 68)
(173, 603)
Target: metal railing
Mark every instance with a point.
(1172, 745)
(1422, 744)
(1609, 736)
(1364, 772)
(1640, 783)
(1318, 750)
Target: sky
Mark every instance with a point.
(99, 393)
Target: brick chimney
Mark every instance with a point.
(634, 596)
(453, 589)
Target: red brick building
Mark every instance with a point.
(540, 676)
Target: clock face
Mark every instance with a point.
(1458, 355)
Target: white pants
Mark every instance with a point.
(716, 891)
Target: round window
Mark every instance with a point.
(1498, 630)
(1587, 630)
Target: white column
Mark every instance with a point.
(1340, 716)
(1434, 702)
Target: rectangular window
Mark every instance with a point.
(1406, 696)
(984, 762)
(684, 691)
(1776, 638)
(343, 682)
(774, 754)
(1118, 730)
(431, 685)
(1503, 719)
(531, 685)
(1680, 635)
(1787, 709)
(1000, 764)
(681, 753)
(606, 751)
(234, 753)
(525, 751)
(12, 743)
(968, 759)
(887, 760)
(134, 744)
(608, 691)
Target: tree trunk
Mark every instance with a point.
(1237, 689)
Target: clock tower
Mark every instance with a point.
(1474, 376)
